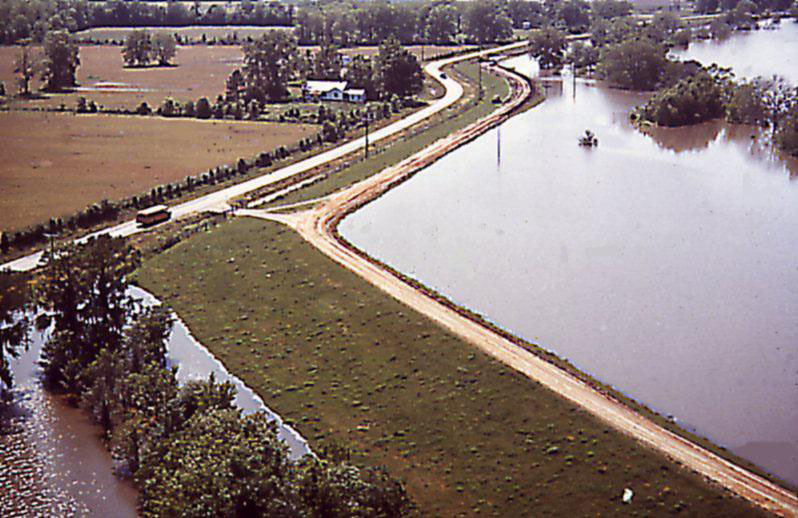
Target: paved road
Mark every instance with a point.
(318, 226)
(217, 201)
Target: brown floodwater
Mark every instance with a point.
(665, 265)
(55, 464)
(750, 54)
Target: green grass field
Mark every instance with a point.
(347, 363)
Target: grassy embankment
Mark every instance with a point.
(347, 363)
(395, 150)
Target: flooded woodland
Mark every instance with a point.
(662, 264)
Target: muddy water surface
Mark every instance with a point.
(751, 54)
(664, 265)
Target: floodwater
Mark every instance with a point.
(750, 54)
(58, 461)
(663, 265)
(69, 471)
(194, 361)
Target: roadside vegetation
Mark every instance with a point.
(348, 364)
(187, 448)
(396, 149)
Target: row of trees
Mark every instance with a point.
(189, 451)
(26, 19)
(341, 23)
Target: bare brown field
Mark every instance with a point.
(201, 71)
(54, 164)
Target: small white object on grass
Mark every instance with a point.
(627, 496)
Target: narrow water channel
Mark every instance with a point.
(664, 264)
(59, 459)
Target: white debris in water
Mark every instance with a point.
(627, 496)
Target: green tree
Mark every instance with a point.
(269, 63)
(609, 9)
(164, 48)
(486, 22)
(634, 64)
(746, 105)
(548, 46)
(583, 56)
(138, 48)
(692, 100)
(61, 61)
(440, 26)
(574, 15)
(86, 294)
(101, 379)
(360, 74)
(327, 63)
(398, 70)
(663, 26)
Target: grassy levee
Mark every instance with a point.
(398, 150)
(348, 363)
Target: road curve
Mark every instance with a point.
(218, 200)
(318, 226)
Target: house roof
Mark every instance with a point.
(322, 87)
(355, 91)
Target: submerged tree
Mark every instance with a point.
(13, 327)
(86, 294)
(548, 47)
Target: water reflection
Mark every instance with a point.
(55, 463)
(751, 54)
(662, 264)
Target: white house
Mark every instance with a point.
(355, 95)
(332, 91)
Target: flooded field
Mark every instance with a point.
(662, 264)
(751, 54)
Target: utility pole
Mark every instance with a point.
(479, 67)
(367, 131)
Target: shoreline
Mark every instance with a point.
(319, 227)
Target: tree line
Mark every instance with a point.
(344, 24)
(24, 19)
(188, 450)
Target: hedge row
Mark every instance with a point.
(108, 211)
